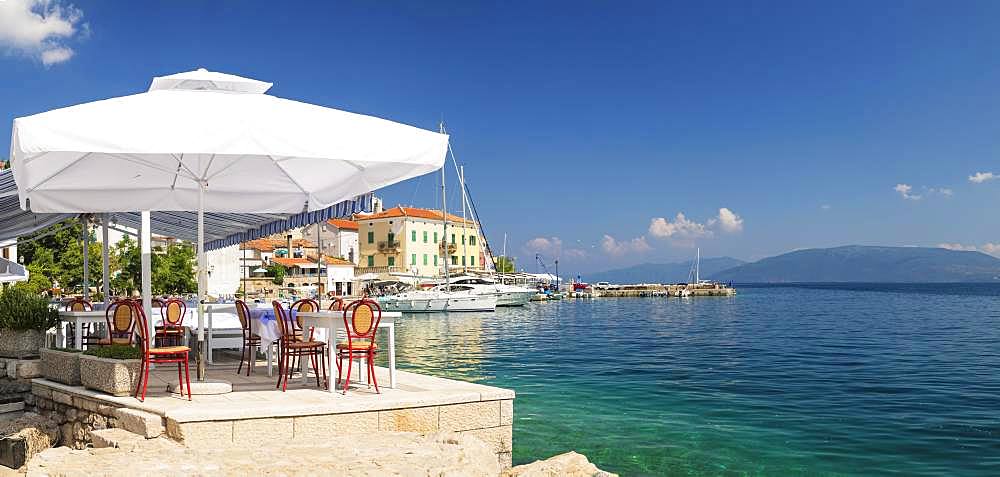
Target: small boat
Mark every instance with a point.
(539, 297)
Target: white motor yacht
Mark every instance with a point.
(457, 298)
(507, 295)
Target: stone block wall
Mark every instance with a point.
(490, 421)
(78, 415)
(15, 381)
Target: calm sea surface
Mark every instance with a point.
(790, 380)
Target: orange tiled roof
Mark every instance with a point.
(292, 262)
(268, 245)
(400, 211)
(343, 224)
(336, 261)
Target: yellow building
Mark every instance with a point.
(411, 240)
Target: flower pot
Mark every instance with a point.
(117, 377)
(61, 366)
(20, 344)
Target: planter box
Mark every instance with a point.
(20, 344)
(61, 366)
(117, 377)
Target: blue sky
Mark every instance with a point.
(586, 127)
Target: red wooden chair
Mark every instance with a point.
(159, 355)
(120, 317)
(361, 326)
(291, 346)
(79, 304)
(304, 305)
(337, 305)
(251, 340)
(172, 330)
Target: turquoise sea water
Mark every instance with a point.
(791, 380)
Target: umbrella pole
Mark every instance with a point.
(146, 264)
(105, 261)
(201, 282)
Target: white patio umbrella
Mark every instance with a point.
(12, 272)
(204, 141)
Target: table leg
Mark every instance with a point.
(331, 351)
(61, 334)
(79, 334)
(270, 359)
(392, 356)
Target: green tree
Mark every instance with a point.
(277, 272)
(37, 283)
(504, 265)
(173, 271)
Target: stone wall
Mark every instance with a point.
(15, 383)
(489, 421)
(75, 415)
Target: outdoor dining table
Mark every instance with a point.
(78, 318)
(333, 323)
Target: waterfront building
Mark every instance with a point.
(339, 238)
(410, 240)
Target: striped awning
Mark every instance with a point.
(221, 229)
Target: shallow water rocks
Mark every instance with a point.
(569, 464)
(61, 366)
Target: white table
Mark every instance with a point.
(79, 318)
(333, 321)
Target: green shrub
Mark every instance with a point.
(117, 351)
(22, 310)
(67, 350)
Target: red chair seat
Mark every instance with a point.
(169, 350)
(305, 344)
(356, 345)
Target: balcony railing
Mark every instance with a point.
(358, 271)
(389, 246)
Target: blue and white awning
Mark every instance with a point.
(221, 229)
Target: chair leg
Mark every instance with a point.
(142, 366)
(350, 358)
(243, 353)
(145, 382)
(326, 379)
(340, 368)
(180, 379)
(371, 371)
(187, 375)
(315, 366)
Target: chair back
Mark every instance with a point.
(337, 305)
(285, 327)
(361, 319)
(141, 326)
(121, 319)
(173, 312)
(305, 305)
(78, 304)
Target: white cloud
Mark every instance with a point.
(553, 247)
(990, 248)
(39, 29)
(616, 248)
(681, 228)
(980, 177)
(958, 246)
(826, 207)
(905, 191)
(942, 191)
(729, 221)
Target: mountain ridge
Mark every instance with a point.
(675, 272)
(867, 263)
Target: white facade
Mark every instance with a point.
(8, 249)
(337, 241)
(224, 271)
(340, 280)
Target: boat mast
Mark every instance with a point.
(697, 267)
(444, 219)
(465, 251)
(505, 259)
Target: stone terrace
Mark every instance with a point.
(256, 413)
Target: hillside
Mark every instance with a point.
(856, 263)
(662, 272)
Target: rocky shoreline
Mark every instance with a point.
(118, 452)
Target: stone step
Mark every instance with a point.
(115, 438)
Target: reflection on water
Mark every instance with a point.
(820, 380)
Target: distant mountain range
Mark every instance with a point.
(856, 263)
(663, 272)
(852, 263)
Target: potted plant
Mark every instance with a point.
(24, 318)
(112, 369)
(62, 365)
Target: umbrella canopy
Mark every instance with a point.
(248, 151)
